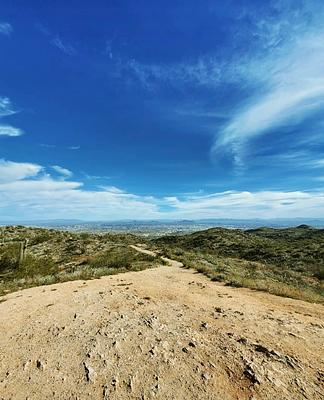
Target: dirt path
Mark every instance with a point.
(142, 249)
(171, 263)
(163, 333)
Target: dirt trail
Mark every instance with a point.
(163, 333)
(171, 263)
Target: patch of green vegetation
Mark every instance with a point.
(9, 256)
(56, 256)
(285, 262)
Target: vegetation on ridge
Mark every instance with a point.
(56, 256)
(287, 262)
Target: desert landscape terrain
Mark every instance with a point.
(166, 332)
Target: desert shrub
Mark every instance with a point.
(41, 237)
(319, 273)
(9, 256)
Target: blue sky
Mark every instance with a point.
(164, 109)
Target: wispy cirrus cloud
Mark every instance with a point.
(7, 109)
(63, 46)
(56, 40)
(290, 91)
(274, 67)
(206, 71)
(5, 28)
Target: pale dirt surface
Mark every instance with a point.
(163, 333)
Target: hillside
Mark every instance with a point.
(288, 262)
(57, 256)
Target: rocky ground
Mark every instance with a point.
(162, 333)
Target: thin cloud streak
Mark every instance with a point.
(56, 40)
(74, 147)
(7, 109)
(205, 71)
(64, 47)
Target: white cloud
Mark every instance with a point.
(74, 147)
(26, 193)
(12, 171)
(62, 171)
(34, 198)
(8, 130)
(31, 188)
(262, 204)
(5, 28)
(6, 109)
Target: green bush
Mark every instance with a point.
(9, 256)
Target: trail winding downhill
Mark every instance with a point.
(169, 261)
(162, 333)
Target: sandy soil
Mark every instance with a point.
(163, 333)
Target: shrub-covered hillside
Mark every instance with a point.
(288, 262)
(56, 256)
